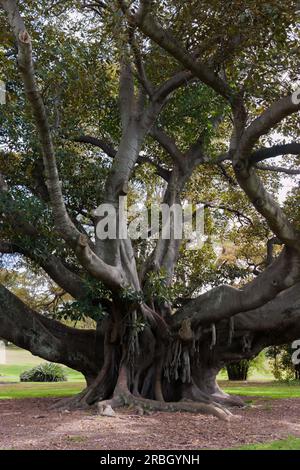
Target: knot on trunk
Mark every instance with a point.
(186, 333)
(82, 240)
(24, 37)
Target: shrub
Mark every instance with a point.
(46, 372)
(281, 362)
(238, 370)
(241, 370)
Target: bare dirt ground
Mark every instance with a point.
(31, 424)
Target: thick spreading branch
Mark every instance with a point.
(225, 301)
(46, 338)
(270, 118)
(107, 147)
(275, 151)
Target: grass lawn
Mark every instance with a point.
(11, 372)
(17, 361)
(39, 390)
(271, 390)
(291, 443)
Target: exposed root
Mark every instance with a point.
(228, 400)
(147, 405)
(72, 403)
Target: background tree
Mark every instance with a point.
(282, 364)
(156, 101)
(238, 370)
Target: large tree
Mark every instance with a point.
(170, 98)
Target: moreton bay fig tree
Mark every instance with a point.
(158, 101)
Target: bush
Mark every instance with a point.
(242, 369)
(281, 361)
(238, 370)
(46, 372)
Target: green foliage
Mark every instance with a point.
(91, 306)
(292, 203)
(46, 372)
(281, 362)
(157, 288)
(78, 310)
(130, 295)
(138, 325)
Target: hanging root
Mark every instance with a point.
(127, 380)
(231, 330)
(213, 336)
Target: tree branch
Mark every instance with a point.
(275, 151)
(173, 83)
(228, 209)
(265, 122)
(225, 301)
(104, 145)
(46, 338)
(110, 275)
(149, 26)
(278, 169)
(127, 96)
(169, 144)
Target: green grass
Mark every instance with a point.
(272, 390)
(19, 360)
(39, 390)
(11, 372)
(290, 443)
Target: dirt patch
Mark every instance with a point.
(30, 424)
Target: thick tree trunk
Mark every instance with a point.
(155, 367)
